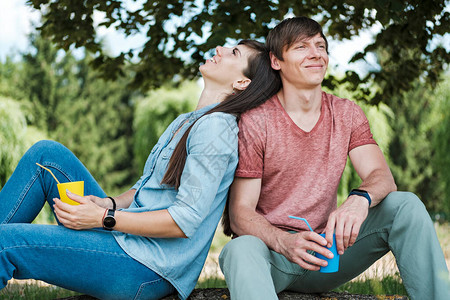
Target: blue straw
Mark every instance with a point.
(302, 219)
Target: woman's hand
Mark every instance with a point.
(84, 216)
(102, 202)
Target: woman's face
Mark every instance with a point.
(227, 66)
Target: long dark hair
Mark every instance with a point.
(265, 82)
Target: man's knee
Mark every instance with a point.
(405, 205)
(401, 200)
(241, 249)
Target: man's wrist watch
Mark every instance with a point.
(362, 193)
(109, 221)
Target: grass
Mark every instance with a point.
(212, 282)
(31, 289)
(384, 282)
(389, 285)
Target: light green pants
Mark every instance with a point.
(400, 223)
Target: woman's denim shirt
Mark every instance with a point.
(196, 206)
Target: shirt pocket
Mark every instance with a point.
(150, 160)
(166, 153)
(163, 162)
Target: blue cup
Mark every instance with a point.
(333, 263)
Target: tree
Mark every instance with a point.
(15, 136)
(11, 79)
(441, 145)
(420, 146)
(73, 105)
(96, 124)
(413, 134)
(155, 112)
(43, 81)
(180, 33)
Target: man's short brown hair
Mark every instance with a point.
(291, 30)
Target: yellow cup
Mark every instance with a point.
(75, 187)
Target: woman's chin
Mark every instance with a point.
(203, 70)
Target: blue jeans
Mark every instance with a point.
(88, 261)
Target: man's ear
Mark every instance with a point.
(241, 84)
(274, 62)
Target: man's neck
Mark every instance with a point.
(301, 101)
(303, 106)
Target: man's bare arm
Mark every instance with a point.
(377, 180)
(244, 196)
(372, 168)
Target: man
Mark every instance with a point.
(292, 152)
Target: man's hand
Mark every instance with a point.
(346, 221)
(295, 246)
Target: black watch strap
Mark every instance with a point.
(113, 202)
(361, 193)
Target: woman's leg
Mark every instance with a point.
(26, 191)
(88, 261)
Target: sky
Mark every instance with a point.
(16, 22)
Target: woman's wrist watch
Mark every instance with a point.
(108, 220)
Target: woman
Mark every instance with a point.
(157, 233)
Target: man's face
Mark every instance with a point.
(304, 63)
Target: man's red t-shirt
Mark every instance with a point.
(300, 170)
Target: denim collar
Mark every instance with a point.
(198, 113)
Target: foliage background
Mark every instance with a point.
(110, 109)
(180, 33)
(111, 125)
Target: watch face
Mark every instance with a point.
(109, 222)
